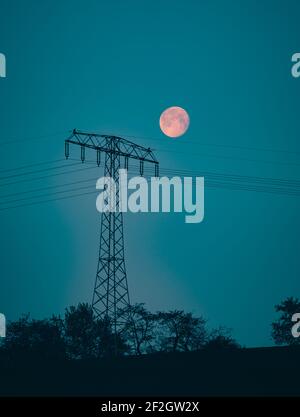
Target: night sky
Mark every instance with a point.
(112, 67)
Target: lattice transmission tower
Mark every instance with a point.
(111, 296)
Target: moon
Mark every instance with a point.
(174, 121)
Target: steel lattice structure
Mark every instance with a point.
(111, 295)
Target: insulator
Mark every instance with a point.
(67, 150)
(126, 162)
(82, 154)
(156, 170)
(141, 167)
(98, 157)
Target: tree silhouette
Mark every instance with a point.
(282, 327)
(36, 339)
(87, 337)
(140, 329)
(181, 331)
(80, 332)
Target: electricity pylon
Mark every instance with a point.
(111, 296)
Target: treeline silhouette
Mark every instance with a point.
(79, 335)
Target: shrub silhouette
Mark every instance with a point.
(221, 339)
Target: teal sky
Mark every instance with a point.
(113, 67)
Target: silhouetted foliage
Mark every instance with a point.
(221, 339)
(80, 332)
(39, 339)
(282, 327)
(180, 331)
(79, 335)
(87, 337)
(140, 329)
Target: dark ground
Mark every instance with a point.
(245, 372)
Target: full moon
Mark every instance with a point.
(174, 121)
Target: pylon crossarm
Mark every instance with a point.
(111, 144)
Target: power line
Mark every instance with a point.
(51, 135)
(226, 146)
(32, 165)
(36, 171)
(228, 157)
(264, 184)
(47, 176)
(208, 183)
(47, 201)
(212, 179)
(48, 194)
(235, 177)
(46, 188)
(219, 145)
(269, 182)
